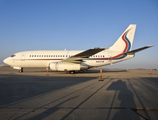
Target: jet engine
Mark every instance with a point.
(64, 66)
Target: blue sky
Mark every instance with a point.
(79, 25)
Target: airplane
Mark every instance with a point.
(77, 60)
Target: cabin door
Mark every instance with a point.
(22, 59)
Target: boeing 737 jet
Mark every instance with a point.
(76, 60)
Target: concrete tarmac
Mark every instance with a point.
(122, 95)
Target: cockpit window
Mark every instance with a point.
(12, 55)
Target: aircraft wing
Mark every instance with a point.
(137, 50)
(83, 55)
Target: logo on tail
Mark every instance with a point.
(126, 40)
(127, 46)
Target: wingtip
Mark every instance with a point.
(150, 46)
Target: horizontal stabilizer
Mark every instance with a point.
(137, 50)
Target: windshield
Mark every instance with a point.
(12, 56)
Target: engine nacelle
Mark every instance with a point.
(61, 66)
(18, 68)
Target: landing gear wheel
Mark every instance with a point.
(72, 72)
(21, 70)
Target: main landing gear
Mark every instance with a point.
(72, 72)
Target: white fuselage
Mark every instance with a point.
(43, 58)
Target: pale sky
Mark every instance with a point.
(80, 25)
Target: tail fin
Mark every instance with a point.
(124, 43)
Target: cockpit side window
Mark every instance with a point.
(12, 55)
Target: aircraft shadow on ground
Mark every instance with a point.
(84, 71)
(104, 71)
(14, 88)
(55, 108)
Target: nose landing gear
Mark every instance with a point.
(21, 70)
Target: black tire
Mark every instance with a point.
(72, 72)
(21, 70)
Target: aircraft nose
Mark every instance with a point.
(6, 61)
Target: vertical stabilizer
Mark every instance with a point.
(124, 43)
